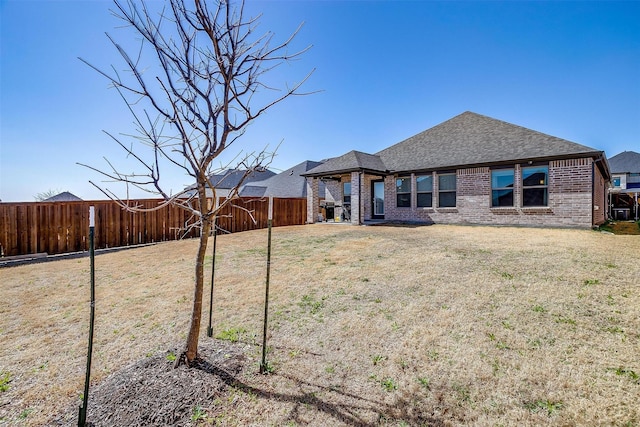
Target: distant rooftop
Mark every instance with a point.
(65, 196)
(287, 184)
(230, 178)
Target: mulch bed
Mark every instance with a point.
(152, 392)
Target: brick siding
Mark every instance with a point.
(313, 203)
(600, 203)
(355, 197)
(570, 199)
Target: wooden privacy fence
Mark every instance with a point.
(62, 227)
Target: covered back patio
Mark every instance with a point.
(354, 189)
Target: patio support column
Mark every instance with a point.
(355, 197)
(313, 202)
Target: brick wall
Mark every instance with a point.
(355, 197)
(570, 196)
(313, 203)
(600, 204)
(570, 202)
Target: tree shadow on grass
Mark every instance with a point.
(348, 412)
(152, 392)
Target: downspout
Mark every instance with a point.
(360, 204)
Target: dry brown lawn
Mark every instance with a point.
(399, 326)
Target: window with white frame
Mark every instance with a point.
(424, 184)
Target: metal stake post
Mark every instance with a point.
(263, 364)
(213, 270)
(82, 416)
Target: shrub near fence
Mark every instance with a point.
(62, 227)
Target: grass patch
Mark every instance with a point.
(5, 379)
(548, 406)
(199, 414)
(629, 373)
(539, 309)
(231, 334)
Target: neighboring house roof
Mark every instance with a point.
(468, 139)
(287, 184)
(231, 178)
(65, 196)
(625, 162)
(252, 191)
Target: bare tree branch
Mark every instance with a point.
(191, 88)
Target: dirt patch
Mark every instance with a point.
(152, 393)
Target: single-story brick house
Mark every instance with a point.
(471, 169)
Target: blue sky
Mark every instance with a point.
(386, 71)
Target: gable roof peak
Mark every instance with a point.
(65, 196)
(471, 139)
(625, 162)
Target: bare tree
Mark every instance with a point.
(46, 194)
(209, 86)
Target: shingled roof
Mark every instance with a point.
(65, 196)
(351, 162)
(474, 139)
(625, 162)
(468, 139)
(288, 184)
(230, 178)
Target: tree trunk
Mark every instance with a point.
(191, 348)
